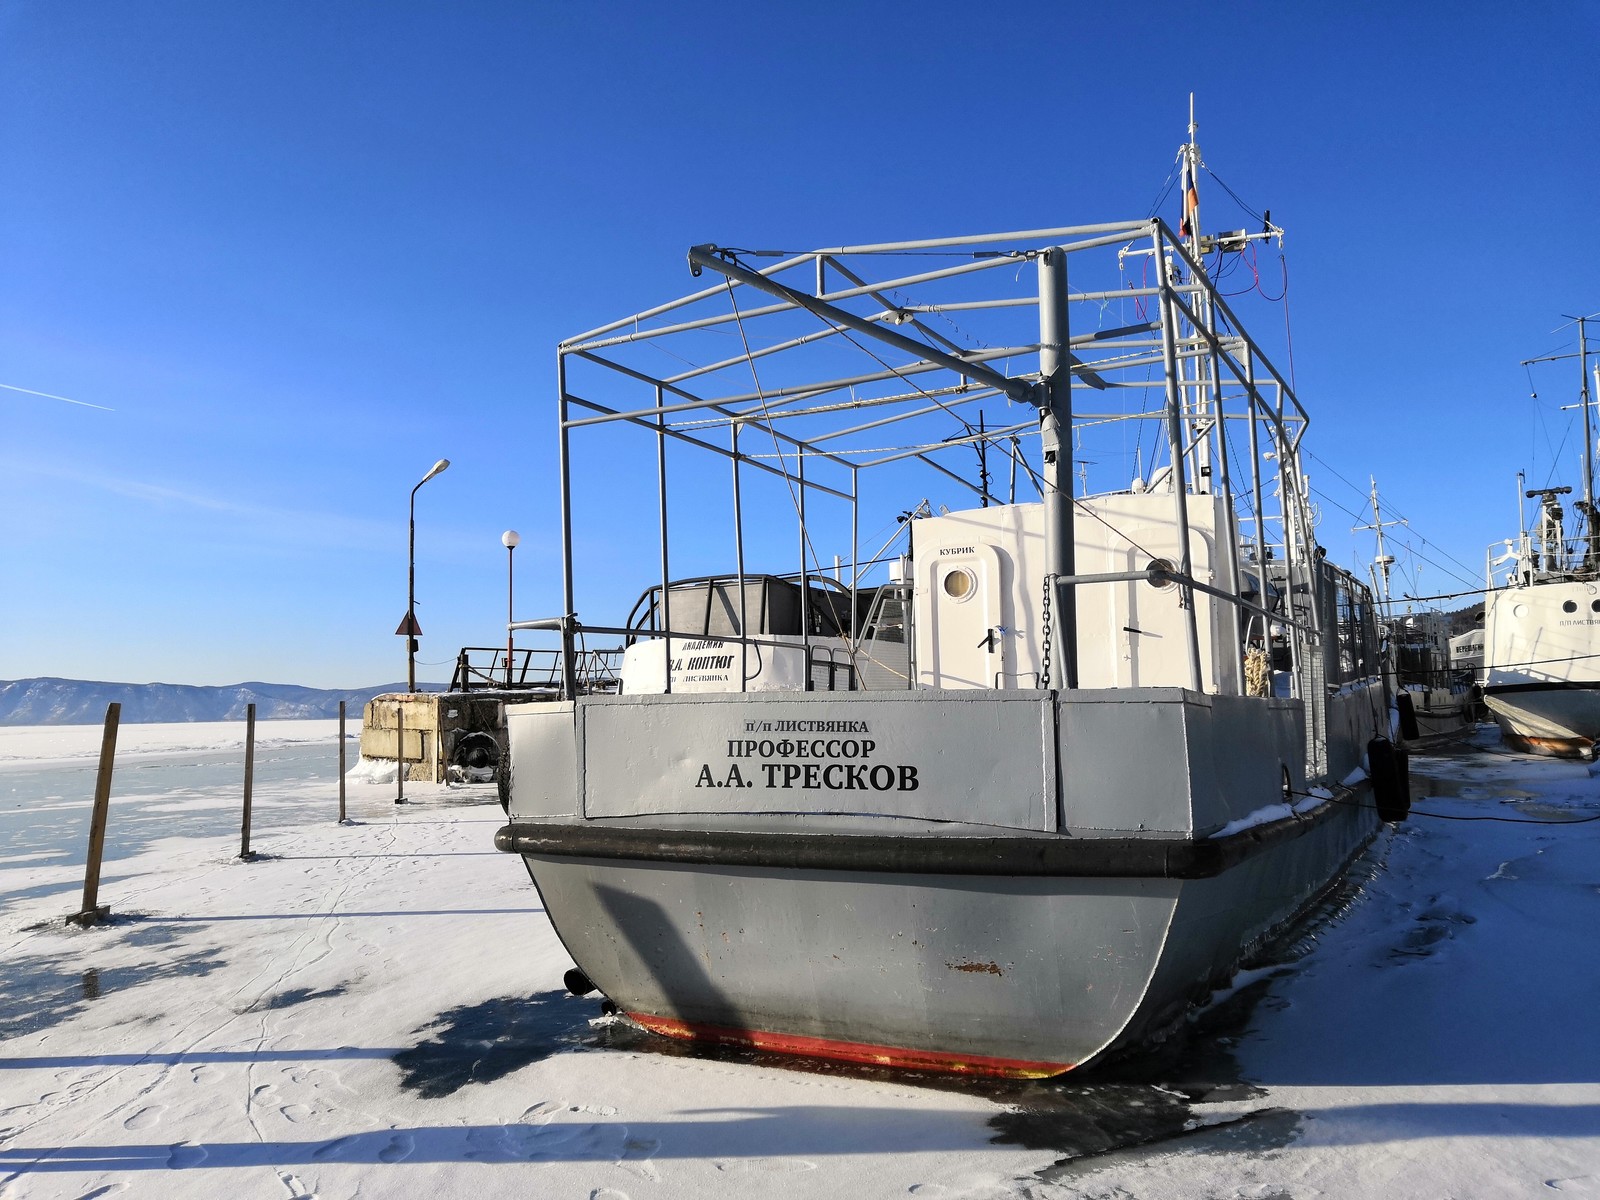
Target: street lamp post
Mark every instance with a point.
(510, 540)
(409, 626)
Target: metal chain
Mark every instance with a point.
(1044, 675)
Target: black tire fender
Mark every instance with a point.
(1390, 771)
(1408, 716)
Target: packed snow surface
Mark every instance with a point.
(376, 1009)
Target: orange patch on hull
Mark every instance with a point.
(856, 1052)
(1572, 747)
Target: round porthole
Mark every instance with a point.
(959, 584)
(1594, 606)
(1569, 606)
(1519, 610)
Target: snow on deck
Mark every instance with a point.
(377, 1009)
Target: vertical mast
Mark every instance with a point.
(1377, 524)
(1384, 560)
(1588, 432)
(1191, 209)
(1194, 389)
(1055, 430)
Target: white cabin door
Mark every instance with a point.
(1154, 627)
(969, 644)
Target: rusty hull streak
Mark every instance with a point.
(973, 967)
(857, 1052)
(1572, 747)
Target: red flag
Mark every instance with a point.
(1191, 201)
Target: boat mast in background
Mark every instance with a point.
(1379, 571)
(1591, 559)
(1588, 430)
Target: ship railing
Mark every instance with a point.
(566, 671)
(1527, 559)
(826, 672)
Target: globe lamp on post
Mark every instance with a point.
(409, 626)
(510, 540)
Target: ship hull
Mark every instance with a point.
(1561, 719)
(1541, 650)
(1000, 975)
(888, 939)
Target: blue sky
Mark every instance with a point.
(300, 251)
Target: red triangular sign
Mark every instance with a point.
(409, 626)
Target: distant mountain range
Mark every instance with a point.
(83, 702)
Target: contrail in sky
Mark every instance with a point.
(48, 396)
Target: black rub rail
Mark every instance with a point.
(918, 854)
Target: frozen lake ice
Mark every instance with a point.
(377, 1009)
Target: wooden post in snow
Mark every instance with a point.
(341, 762)
(249, 779)
(92, 911)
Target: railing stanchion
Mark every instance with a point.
(400, 754)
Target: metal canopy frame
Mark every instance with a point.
(785, 369)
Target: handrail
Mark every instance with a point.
(1156, 575)
(530, 669)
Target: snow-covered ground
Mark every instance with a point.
(376, 1008)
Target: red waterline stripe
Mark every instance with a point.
(857, 1052)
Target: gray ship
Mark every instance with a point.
(996, 786)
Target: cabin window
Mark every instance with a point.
(887, 619)
(959, 584)
(712, 606)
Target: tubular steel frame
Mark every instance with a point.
(1208, 370)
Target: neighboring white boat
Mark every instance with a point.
(1541, 621)
(1010, 791)
(1466, 654)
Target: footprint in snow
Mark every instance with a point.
(636, 1155)
(543, 1111)
(323, 1083)
(399, 1147)
(791, 1166)
(183, 1154)
(145, 1117)
(487, 1144)
(329, 1149)
(564, 1142)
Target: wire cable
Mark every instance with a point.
(1447, 816)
